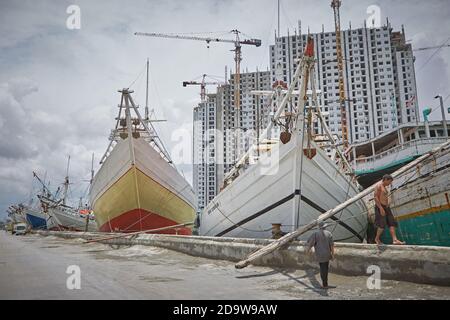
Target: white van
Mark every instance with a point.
(20, 228)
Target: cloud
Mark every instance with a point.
(15, 142)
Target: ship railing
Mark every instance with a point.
(409, 148)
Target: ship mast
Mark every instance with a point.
(134, 127)
(146, 96)
(44, 187)
(66, 183)
(92, 169)
(305, 73)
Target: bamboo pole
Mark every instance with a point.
(295, 234)
(139, 232)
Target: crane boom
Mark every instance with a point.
(434, 47)
(336, 4)
(254, 42)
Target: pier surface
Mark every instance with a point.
(34, 267)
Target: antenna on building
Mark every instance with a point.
(278, 18)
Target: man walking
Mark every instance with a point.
(383, 213)
(322, 241)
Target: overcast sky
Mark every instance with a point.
(58, 87)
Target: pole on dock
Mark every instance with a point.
(444, 120)
(86, 228)
(295, 234)
(144, 231)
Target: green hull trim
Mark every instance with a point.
(431, 230)
(386, 167)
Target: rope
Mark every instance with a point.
(139, 232)
(239, 226)
(434, 53)
(301, 164)
(139, 75)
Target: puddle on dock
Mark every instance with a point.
(158, 279)
(138, 251)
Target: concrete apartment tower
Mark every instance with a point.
(214, 142)
(378, 71)
(380, 86)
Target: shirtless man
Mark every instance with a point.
(383, 214)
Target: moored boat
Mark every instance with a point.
(35, 217)
(64, 217)
(420, 202)
(292, 181)
(137, 186)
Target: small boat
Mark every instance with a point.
(35, 217)
(16, 214)
(138, 187)
(63, 217)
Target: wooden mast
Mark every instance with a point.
(146, 95)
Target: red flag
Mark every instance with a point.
(410, 101)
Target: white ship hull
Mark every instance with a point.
(249, 206)
(61, 218)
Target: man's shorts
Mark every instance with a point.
(388, 219)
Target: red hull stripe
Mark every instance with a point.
(141, 220)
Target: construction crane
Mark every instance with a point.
(237, 50)
(202, 85)
(434, 47)
(336, 4)
(237, 58)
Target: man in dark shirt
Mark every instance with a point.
(322, 241)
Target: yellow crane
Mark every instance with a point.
(336, 4)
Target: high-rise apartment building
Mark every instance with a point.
(215, 139)
(379, 77)
(380, 88)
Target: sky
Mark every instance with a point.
(58, 85)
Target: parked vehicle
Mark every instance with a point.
(20, 229)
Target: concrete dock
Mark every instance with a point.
(36, 266)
